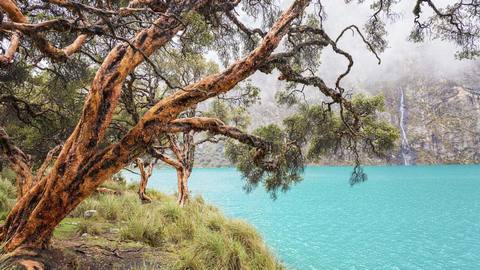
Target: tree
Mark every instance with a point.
(178, 149)
(135, 30)
(146, 170)
(183, 141)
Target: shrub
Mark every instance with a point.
(214, 221)
(216, 250)
(7, 187)
(90, 203)
(5, 205)
(245, 234)
(110, 207)
(199, 235)
(171, 211)
(115, 208)
(7, 197)
(90, 227)
(145, 227)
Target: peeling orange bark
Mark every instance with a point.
(41, 171)
(81, 167)
(14, 13)
(145, 173)
(183, 193)
(185, 156)
(179, 163)
(7, 57)
(39, 40)
(215, 126)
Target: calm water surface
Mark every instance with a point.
(416, 217)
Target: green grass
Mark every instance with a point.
(7, 196)
(67, 228)
(196, 237)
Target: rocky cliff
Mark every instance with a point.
(439, 122)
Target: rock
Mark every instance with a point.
(114, 230)
(436, 125)
(89, 213)
(84, 235)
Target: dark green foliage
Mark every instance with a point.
(228, 113)
(311, 133)
(277, 169)
(39, 108)
(358, 176)
(457, 22)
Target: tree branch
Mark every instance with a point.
(19, 162)
(249, 32)
(145, 174)
(170, 161)
(41, 171)
(168, 109)
(10, 52)
(95, 169)
(41, 43)
(215, 126)
(175, 147)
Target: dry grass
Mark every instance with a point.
(197, 236)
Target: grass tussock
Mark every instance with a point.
(196, 237)
(7, 196)
(199, 235)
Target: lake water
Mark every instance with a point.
(415, 217)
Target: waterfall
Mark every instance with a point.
(405, 147)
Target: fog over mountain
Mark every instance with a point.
(402, 56)
(439, 114)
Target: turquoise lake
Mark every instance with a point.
(403, 217)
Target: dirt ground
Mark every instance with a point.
(79, 253)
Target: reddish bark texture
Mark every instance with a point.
(10, 52)
(145, 173)
(185, 157)
(184, 152)
(81, 166)
(38, 39)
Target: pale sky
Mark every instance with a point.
(402, 56)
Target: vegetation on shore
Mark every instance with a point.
(197, 236)
(88, 89)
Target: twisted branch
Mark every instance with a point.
(19, 162)
(7, 57)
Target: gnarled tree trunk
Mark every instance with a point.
(184, 154)
(183, 195)
(180, 191)
(81, 166)
(145, 173)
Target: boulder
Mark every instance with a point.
(89, 213)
